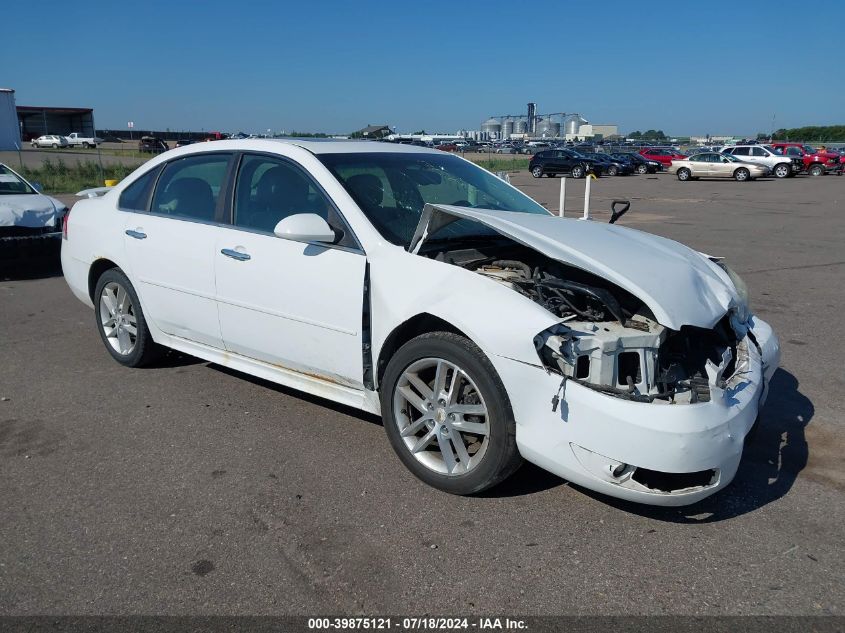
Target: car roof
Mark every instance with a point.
(319, 146)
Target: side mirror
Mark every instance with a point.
(37, 186)
(304, 227)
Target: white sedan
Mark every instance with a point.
(411, 283)
(24, 210)
(49, 140)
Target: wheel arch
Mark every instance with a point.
(422, 323)
(96, 271)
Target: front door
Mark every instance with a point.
(294, 304)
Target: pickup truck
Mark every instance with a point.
(76, 140)
(816, 162)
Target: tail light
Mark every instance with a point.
(65, 219)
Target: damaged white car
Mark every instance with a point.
(412, 283)
(24, 211)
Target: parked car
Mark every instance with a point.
(713, 165)
(184, 142)
(663, 155)
(612, 166)
(813, 161)
(447, 147)
(49, 140)
(563, 161)
(504, 149)
(524, 335)
(152, 145)
(28, 218)
(74, 139)
(640, 164)
(781, 166)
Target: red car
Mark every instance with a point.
(816, 162)
(663, 155)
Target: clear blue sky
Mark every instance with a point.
(440, 65)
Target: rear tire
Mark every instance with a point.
(782, 170)
(816, 170)
(742, 174)
(684, 174)
(55, 146)
(118, 312)
(537, 172)
(440, 438)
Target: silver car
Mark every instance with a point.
(713, 165)
(50, 140)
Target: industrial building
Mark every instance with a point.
(34, 121)
(563, 125)
(10, 137)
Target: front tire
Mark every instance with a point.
(578, 171)
(782, 170)
(121, 322)
(684, 174)
(613, 170)
(55, 146)
(742, 174)
(447, 415)
(537, 172)
(816, 170)
(642, 169)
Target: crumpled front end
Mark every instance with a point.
(626, 430)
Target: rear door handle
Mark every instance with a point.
(241, 257)
(138, 235)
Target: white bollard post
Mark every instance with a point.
(587, 199)
(562, 205)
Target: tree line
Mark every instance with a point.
(811, 133)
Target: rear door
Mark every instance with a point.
(171, 246)
(293, 304)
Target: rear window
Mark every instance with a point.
(136, 197)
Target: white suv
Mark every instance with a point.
(780, 165)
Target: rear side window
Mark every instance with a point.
(190, 187)
(759, 151)
(136, 197)
(742, 151)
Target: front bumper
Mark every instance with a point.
(601, 442)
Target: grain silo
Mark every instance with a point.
(520, 126)
(547, 127)
(492, 128)
(572, 123)
(507, 127)
(10, 132)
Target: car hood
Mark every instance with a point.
(679, 285)
(29, 210)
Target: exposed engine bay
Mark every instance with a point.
(607, 339)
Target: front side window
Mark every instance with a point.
(392, 189)
(189, 187)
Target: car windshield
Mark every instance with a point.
(11, 184)
(392, 190)
(809, 149)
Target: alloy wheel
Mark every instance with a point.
(441, 416)
(117, 318)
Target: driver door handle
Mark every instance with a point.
(138, 235)
(241, 257)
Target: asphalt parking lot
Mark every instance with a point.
(188, 488)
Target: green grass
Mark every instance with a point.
(59, 177)
(502, 164)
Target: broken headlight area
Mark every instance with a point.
(641, 360)
(608, 340)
